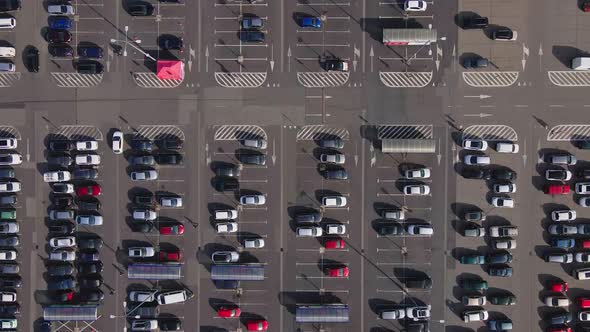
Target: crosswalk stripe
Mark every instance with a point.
(569, 78)
(569, 132)
(240, 80)
(405, 79)
(76, 80)
(9, 132)
(8, 79)
(152, 132)
(78, 132)
(151, 80)
(490, 133)
(404, 131)
(317, 132)
(322, 79)
(239, 132)
(490, 79)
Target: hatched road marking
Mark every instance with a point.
(8, 79)
(153, 132)
(239, 132)
(322, 79)
(151, 80)
(404, 131)
(76, 80)
(490, 79)
(240, 80)
(405, 79)
(317, 132)
(490, 133)
(569, 132)
(569, 78)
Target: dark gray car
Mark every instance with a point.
(85, 173)
(9, 241)
(8, 200)
(7, 173)
(335, 143)
(60, 270)
(145, 160)
(63, 160)
(253, 159)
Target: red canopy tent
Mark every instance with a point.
(170, 70)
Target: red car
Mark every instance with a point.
(257, 325)
(557, 189)
(334, 244)
(338, 272)
(91, 190)
(171, 255)
(229, 312)
(583, 302)
(586, 6)
(176, 229)
(559, 286)
(584, 244)
(559, 329)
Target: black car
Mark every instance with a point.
(7, 173)
(142, 145)
(423, 282)
(559, 318)
(60, 50)
(474, 62)
(61, 284)
(333, 173)
(62, 229)
(58, 36)
(226, 284)
(11, 282)
(140, 9)
(388, 229)
(60, 270)
(61, 146)
(251, 36)
(228, 170)
(170, 144)
(90, 52)
(89, 67)
(252, 158)
(8, 200)
(85, 173)
(90, 268)
(169, 158)
(89, 256)
(63, 160)
(10, 309)
(308, 217)
(226, 184)
(412, 326)
(9, 241)
(144, 198)
(144, 227)
(90, 295)
(9, 268)
(583, 173)
(170, 42)
(62, 201)
(9, 5)
(90, 282)
(475, 173)
(169, 325)
(88, 204)
(335, 64)
(475, 22)
(504, 34)
(503, 174)
(32, 59)
(90, 243)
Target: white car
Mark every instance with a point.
(225, 257)
(475, 316)
(475, 144)
(504, 244)
(309, 231)
(583, 188)
(62, 242)
(558, 175)
(62, 188)
(60, 9)
(582, 257)
(418, 173)
(8, 323)
(144, 175)
(141, 252)
(62, 255)
(89, 220)
(582, 274)
(333, 158)
(415, 5)
(563, 215)
(502, 202)
(8, 143)
(117, 142)
(145, 214)
(11, 159)
(58, 176)
(418, 189)
(505, 188)
(144, 325)
(226, 227)
(253, 200)
(7, 255)
(334, 201)
(584, 201)
(507, 147)
(561, 229)
(7, 297)
(225, 214)
(418, 313)
(474, 300)
(87, 160)
(87, 145)
(10, 187)
(9, 227)
(557, 301)
(471, 159)
(143, 296)
(584, 316)
(171, 202)
(502, 231)
(419, 229)
(255, 143)
(254, 243)
(337, 229)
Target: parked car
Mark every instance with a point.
(144, 214)
(252, 200)
(254, 243)
(562, 243)
(500, 271)
(504, 34)
(172, 229)
(560, 159)
(334, 201)
(473, 300)
(226, 227)
(556, 189)
(62, 242)
(561, 229)
(418, 313)
(473, 284)
(473, 230)
(481, 160)
(504, 244)
(475, 22)
(146, 175)
(334, 143)
(421, 189)
(417, 173)
(504, 188)
(335, 229)
(142, 145)
(500, 324)
(145, 160)
(117, 141)
(502, 202)
(225, 257)
(253, 158)
(558, 175)
(141, 252)
(85, 174)
(10, 159)
(333, 158)
(475, 144)
(140, 9)
(419, 229)
(312, 231)
(60, 9)
(89, 220)
(475, 316)
(503, 231)
(306, 21)
(60, 50)
(563, 215)
(502, 257)
(169, 158)
(502, 299)
(171, 202)
(58, 36)
(472, 259)
(415, 6)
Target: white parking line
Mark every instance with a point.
(403, 180)
(255, 208)
(324, 4)
(233, 31)
(252, 222)
(400, 250)
(321, 263)
(318, 277)
(402, 263)
(323, 45)
(241, 5)
(407, 17)
(242, 45)
(245, 59)
(327, 31)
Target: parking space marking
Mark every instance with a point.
(9, 132)
(8, 79)
(405, 131)
(490, 79)
(152, 132)
(76, 80)
(239, 132)
(151, 80)
(569, 132)
(318, 132)
(323, 79)
(240, 80)
(490, 133)
(405, 79)
(569, 78)
(77, 132)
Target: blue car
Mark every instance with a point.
(60, 22)
(310, 22)
(563, 243)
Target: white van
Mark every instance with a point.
(581, 63)
(177, 296)
(7, 23)
(7, 66)
(507, 147)
(7, 52)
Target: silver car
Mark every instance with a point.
(333, 158)
(144, 175)
(143, 296)
(89, 220)
(253, 200)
